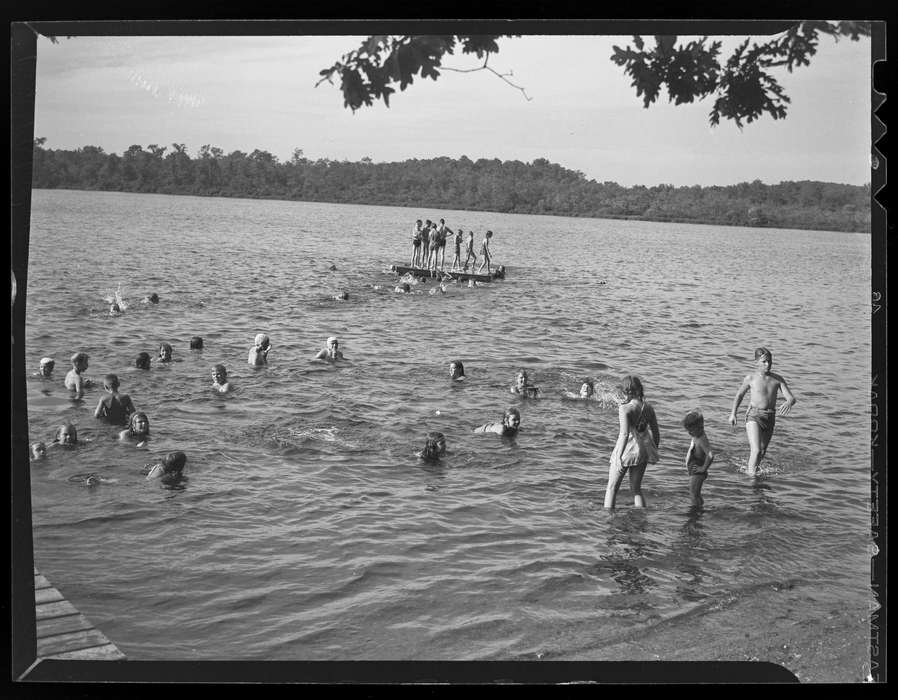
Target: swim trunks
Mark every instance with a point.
(764, 417)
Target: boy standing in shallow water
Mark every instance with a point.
(698, 456)
(115, 408)
(760, 417)
(73, 380)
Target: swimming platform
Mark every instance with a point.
(63, 632)
(497, 274)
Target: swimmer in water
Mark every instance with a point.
(434, 447)
(457, 370)
(115, 408)
(115, 309)
(220, 379)
(142, 361)
(67, 435)
(74, 381)
(196, 343)
(343, 295)
(523, 386)
(404, 288)
(138, 429)
(151, 299)
(46, 367)
(258, 353)
(169, 468)
(511, 421)
(165, 352)
(331, 351)
(38, 451)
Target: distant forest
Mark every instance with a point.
(436, 184)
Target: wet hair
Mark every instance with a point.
(133, 419)
(165, 346)
(68, 428)
(762, 352)
(694, 420)
(220, 369)
(115, 307)
(343, 294)
(522, 373)
(460, 366)
(631, 385)
(434, 446)
(196, 343)
(80, 357)
(591, 384)
(38, 449)
(154, 298)
(511, 411)
(173, 463)
(111, 381)
(142, 361)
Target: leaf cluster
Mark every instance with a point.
(382, 61)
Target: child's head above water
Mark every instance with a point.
(434, 446)
(694, 422)
(66, 435)
(47, 365)
(38, 450)
(139, 424)
(261, 341)
(111, 382)
(764, 353)
(220, 374)
(587, 389)
(142, 361)
(196, 343)
(80, 360)
(165, 352)
(456, 369)
(511, 420)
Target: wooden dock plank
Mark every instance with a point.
(70, 641)
(48, 610)
(47, 595)
(61, 625)
(64, 633)
(107, 652)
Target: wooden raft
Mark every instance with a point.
(63, 632)
(463, 276)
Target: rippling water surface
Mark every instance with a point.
(306, 527)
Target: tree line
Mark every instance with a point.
(539, 187)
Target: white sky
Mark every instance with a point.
(247, 93)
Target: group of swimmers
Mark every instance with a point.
(116, 408)
(639, 436)
(634, 449)
(429, 248)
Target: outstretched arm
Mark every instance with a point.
(787, 394)
(736, 401)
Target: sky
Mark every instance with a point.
(258, 92)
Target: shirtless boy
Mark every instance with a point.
(220, 379)
(73, 380)
(485, 252)
(760, 417)
(469, 251)
(258, 353)
(115, 408)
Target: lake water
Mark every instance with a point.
(306, 527)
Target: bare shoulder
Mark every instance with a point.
(777, 377)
